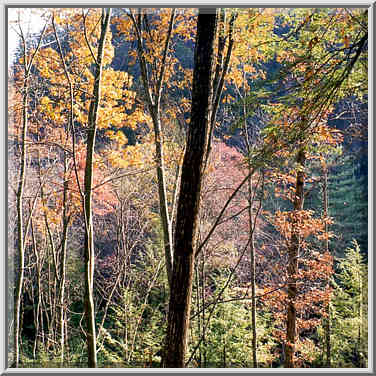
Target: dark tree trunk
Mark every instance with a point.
(189, 196)
(292, 268)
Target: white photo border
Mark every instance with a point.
(8, 4)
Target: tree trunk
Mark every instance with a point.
(65, 217)
(38, 266)
(20, 259)
(88, 182)
(253, 275)
(153, 103)
(292, 268)
(360, 317)
(252, 226)
(327, 308)
(189, 196)
(162, 193)
(62, 265)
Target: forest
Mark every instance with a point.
(188, 188)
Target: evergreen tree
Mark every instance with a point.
(349, 335)
(348, 205)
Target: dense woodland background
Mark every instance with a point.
(188, 189)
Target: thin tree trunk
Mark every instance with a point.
(292, 268)
(51, 248)
(252, 226)
(203, 304)
(189, 197)
(88, 183)
(20, 258)
(63, 255)
(327, 308)
(153, 103)
(199, 362)
(163, 205)
(360, 314)
(37, 309)
(221, 69)
(253, 275)
(65, 217)
(20, 265)
(224, 351)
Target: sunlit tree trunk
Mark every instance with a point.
(20, 260)
(88, 183)
(189, 196)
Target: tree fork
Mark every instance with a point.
(153, 101)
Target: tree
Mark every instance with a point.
(348, 314)
(293, 254)
(153, 95)
(88, 185)
(326, 245)
(65, 113)
(28, 57)
(309, 89)
(347, 204)
(189, 195)
(66, 218)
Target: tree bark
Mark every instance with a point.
(88, 183)
(189, 196)
(292, 269)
